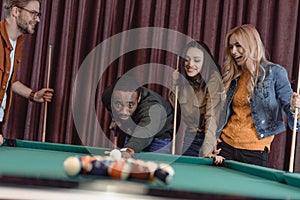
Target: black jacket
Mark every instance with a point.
(144, 131)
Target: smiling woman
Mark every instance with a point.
(193, 61)
(199, 98)
(258, 93)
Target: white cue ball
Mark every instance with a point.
(72, 166)
(115, 154)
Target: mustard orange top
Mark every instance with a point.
(240, 131)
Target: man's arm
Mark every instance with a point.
(41, 96)
(21, 89)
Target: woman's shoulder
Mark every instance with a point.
(273, 66)
(215, 80)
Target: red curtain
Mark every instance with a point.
(74, 28)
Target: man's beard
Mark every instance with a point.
(23, 26)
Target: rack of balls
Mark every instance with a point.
(118, 168)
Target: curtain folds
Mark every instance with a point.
(75, 28)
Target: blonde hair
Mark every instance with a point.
(249, 38)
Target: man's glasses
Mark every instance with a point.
(32, 12)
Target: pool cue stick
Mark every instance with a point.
(115, 137)
(175, 113)
(292, 154)
(47, 86)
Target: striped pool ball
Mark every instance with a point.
(139, 170)
(86, 162)
(119, 169)
(152, 168)
(99, 168)
(164, 174)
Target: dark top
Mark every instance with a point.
(145, 128)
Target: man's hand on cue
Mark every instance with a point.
(43, 95)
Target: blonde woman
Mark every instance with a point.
(257, 93)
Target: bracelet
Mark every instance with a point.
(31, 96)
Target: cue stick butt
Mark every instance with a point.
(115, 142)
(115, 137)
(46, 103)
(175, 122)
(44, 122)
(173, 151)
(293, 145)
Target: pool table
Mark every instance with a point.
(29, 168)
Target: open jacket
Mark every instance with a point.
(200, 110)
(270, 100)
(5, 50)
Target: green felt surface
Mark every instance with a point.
(222, 180)
(45, 160)
(292, 179)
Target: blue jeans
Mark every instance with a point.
(157, 145)
(192, 143)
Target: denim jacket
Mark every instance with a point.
(270, 100)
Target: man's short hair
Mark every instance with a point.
(128, 84)
(8, 4)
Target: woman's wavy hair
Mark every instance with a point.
(249, 38)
